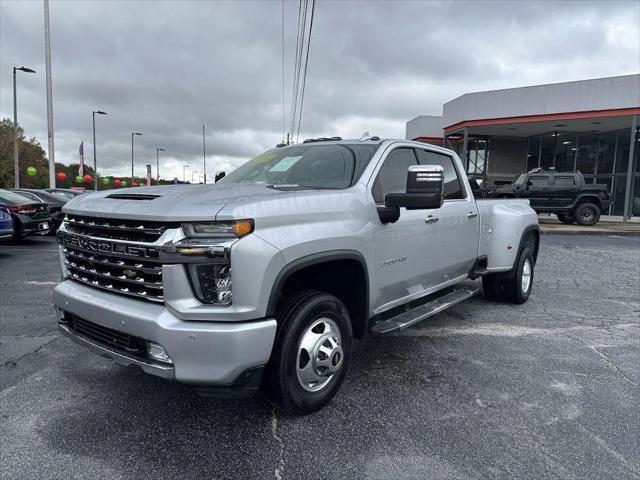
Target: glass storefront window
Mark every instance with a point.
(565, 151)
(532, 153)
(547, 151)
(587, 152)
(619, 186)
(622, 158)
(635, 205)
(606, 152)
(478, 152)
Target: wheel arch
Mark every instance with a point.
(350, 282)
(532, 231)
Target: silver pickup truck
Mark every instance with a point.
(266, 277)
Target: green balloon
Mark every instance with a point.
(31, 171)
(79, 179)
(124, 183)
(105, 181)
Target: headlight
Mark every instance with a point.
(236, 228)
(211, 282)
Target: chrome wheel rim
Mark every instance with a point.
(320, 356)
(526, 275)
(587, 215)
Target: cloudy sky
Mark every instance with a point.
(164, 68)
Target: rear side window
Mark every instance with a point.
(564, 181)
(452, 185)
(539, 181)
(392, 177)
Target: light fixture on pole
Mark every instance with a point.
(95, 165)
(15, 124)
(158, 163)
(132, 135)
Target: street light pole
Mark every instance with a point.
(184, 173)
(15, 125)
(204, 156)
(132, 134)
(95, 165)
(158, 163)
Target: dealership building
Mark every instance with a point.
(590, 126)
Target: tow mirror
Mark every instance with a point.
(219, 175)
(425, 186)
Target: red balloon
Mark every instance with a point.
(134, 184)
(88, 178)
(117, 182)
(61, 176)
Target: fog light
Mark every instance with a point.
(158, 353)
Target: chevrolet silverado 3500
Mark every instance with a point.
(267, 276)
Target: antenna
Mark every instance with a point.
(364, 135)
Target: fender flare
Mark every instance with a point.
(308, 261)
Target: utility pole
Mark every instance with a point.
(204, 156)
(47, 54)
(184, 173)
(158, 163)
(95, 164)
(132, 134)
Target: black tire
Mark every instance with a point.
(518, 288)
(567, 219)
(587, 214)
(492, 287)
(295, 317)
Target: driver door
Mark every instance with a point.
(406, 251)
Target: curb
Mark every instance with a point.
(587, 232)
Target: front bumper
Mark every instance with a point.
(202, 352)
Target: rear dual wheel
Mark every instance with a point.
(514, 286)
(311, 353)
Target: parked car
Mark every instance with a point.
(6, 225)
(67, 193)
(28, 217)
(565, 194)
(269, 274)
(55, 203)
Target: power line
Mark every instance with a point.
(306, 62)
(294, 93)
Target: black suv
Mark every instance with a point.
(565, 194)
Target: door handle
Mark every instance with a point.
(431, 219)
(472, 214)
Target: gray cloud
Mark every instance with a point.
(166, 67)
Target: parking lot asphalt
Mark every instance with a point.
(548, 389)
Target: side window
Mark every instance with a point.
(539, 181)
(564, 181)
(392, 177)
(28, 195)
(452, 185)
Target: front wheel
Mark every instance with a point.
(311, 353)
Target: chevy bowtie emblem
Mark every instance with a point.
(129, 273)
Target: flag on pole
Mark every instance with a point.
(81, 169)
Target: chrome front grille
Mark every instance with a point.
(116, 229)
(99, 252)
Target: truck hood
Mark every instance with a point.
(170, 203)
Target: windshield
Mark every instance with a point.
(520, 179)
(13, 197)
(64, 195)
(333, 166)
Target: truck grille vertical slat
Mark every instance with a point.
(124, 271)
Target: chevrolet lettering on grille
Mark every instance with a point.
(105, 246)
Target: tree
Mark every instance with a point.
(30, 153)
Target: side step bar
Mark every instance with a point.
(411, 317)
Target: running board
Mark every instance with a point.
(411, 317)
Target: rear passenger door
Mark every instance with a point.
(564, 190)
(458, 218)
